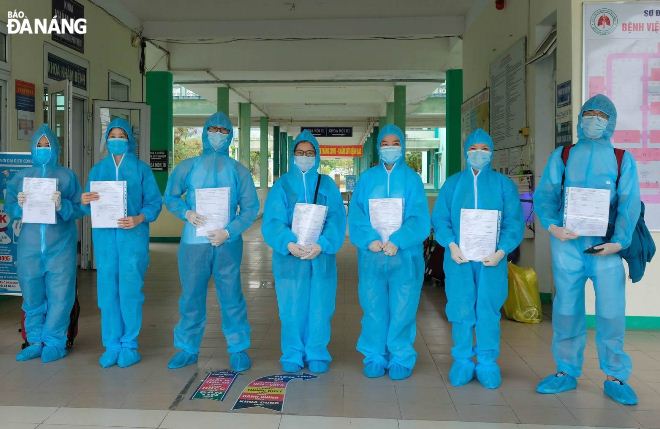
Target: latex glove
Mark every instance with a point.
(390, 249)
(561, 233)
(457, 254)
(88, 197)
(296, 250)
(217, 237)
(57, 199)
(195, 218)
(376, 246)
(608, 249)
(494, 259)
(130, 222)
(312, 251)
(21, 197)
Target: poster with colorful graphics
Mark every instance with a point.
(10, 229)
(267, 392)
(215, 385)
(622, 61)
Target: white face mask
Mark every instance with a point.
(305, 163)
(594, 126)
(217, 139)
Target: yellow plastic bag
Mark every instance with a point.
(524, 302)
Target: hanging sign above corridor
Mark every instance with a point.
(329, 131)
(351, 151)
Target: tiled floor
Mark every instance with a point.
(75, 392)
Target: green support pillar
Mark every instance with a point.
(453, 150)
(356, 166)
(223, 99)
(374, 146)
(284, 156)
(244, 120)
(400, 107)
(159, 97)
(276, 152)
(263, 152)
(389, 115)
(289, 148)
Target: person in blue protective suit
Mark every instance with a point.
(592, 164)
(390, 262)
(46, 253)
(122, 253)
(217, 254)
(305, 273)
(477, 289)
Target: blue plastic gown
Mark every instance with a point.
(198, 260)
(306, 290)
(47, 253)
(122, 255)
(591, 164)
(476, 293)
(390, 286)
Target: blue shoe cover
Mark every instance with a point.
(30, 352)
(373, 370)
(109, 358)
(240, 361)
(128, 357)
(182, 359)
(318, 366)
(51, 354)
(290, 367)
(461, 372)
(620, 392)
(556, 383)
(489, 375)
(399, 372)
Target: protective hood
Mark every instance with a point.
(44, 130)
(603, 104)
(477, 136)
(124, 125)
(217, 119)
(305, 136)
(391, 129)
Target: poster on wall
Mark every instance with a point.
(622, 61)
(10, 229)
(25, 93)
(508, 97)
(475, 113)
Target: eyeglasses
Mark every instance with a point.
(218, 130)
(304, 153)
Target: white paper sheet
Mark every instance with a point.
(39, 206)
(479, 233)
(386, 216)
(308, 222)
(212, 203)
(111, 205)
(587, 211)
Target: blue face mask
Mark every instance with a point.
(42, 155)
(478, 159)
(217, 139)
(117, 146)
(390, 154)
(305, 163)
(594, 126)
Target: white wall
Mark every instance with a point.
(107, 48)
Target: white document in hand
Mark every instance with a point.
(308, 222)
(479, 233)
(39, 206)
(386, 215)
(111, 205)
(213, 204)
(587, 211)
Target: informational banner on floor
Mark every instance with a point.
(622, 61)
(215, 385)
(350, 151)
(267, 392)
(10, 229)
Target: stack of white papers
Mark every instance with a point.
(212, 203)
(587, 211)
(39, 206)
(479, 233)
(386, 215)
(308, 222)
(111, 205)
